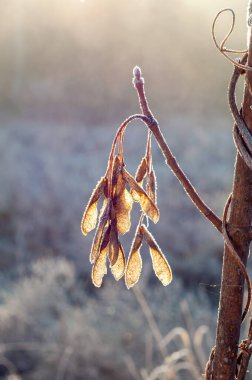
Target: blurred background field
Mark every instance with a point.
(65, 86)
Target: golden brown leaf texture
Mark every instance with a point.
(122, 200)
(151, 186)
(104, 217)
(123, 206)
(118, 269)
(139, 176)
(160, 265)
(100, 267)
(141, 171)
(146, 203)
(116, 169)
(134, 264)
(90, 215)
(113, 249)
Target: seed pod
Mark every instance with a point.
(141, 171)
(146, 203)
(151, 186)
(105, 239)
(99, 232)
(160, 265)
(139, 176)
(119, 184)
(113, 247)
(116, 170)
(99, 268)
(123, 203)
(105, 190)
(118, 268)
(90, 215)
(134, 264)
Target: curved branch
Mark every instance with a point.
(221, 47)
(241, 148)
(241, 125)
(152, 124)
(236, 256)
(120, 131)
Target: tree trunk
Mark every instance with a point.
(232, 285)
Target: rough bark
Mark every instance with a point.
(232, 285)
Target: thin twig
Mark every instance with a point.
(63, 364)
(129, 362)
(170, 159)
(151, 320)
(221, 47)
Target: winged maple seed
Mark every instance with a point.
(134, 265)
(119, 189)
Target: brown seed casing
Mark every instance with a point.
(113, 248)
(146, 203)
(141, 171)
(99, 232)
(160, 265)
(134, 264)
(118, 269)
(99, 268)
(90, 215)
(151, 186)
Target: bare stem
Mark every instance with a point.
(222, 49)
(170, 159)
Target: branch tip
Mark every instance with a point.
(137, 72)
(137, 76)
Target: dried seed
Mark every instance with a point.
(120, 185)
(118, 268)
(105, 239)
(90, 215)
(104, 217)
(123, 208)
(122, 204)
(146, 203)
(105, 190)
(104, 205)
(160, 265)
(140, 174)
(113, 248)
(141, 171)
(99, 268)
(134, 264)
(116, 169)
(151, 186)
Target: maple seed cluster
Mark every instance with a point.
(119, 190)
